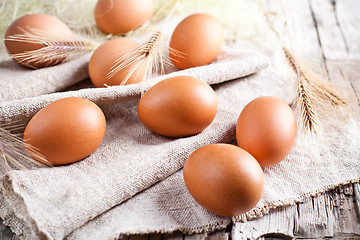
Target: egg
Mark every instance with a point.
(196, 41)
(122, 16)
(43, 25)
(65, 131)
(224, 179)
(104, 58)
(267, 129)
(178, 106)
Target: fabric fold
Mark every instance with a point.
(231, 64)
(18, 82)
(312, 167)
(53, 202)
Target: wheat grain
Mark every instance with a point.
(55, 49)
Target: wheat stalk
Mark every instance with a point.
(150, 51)
(146, 51)
(55, 49)
(308, 113)
(315, 95)
(13, 154)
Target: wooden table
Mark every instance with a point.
(328, 33)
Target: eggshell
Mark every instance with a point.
(267, 129)
(196, 41)
(49, 26)
(178, 106)
(65, 131)
(122, 16)
(105, 56)
(224, 179)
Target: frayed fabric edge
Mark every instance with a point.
(12, 221)
(255, 213)
(9, 220)
(208, 228)
(19, 221)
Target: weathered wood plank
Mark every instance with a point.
(280, 222)
(138, 237)
(331, 35)
(340, 63)
(314, 218)
(223, 235)
(173, 236)
(346, 218)
(356, 187)
(329, 215)
(155, 236)
(201, 236)
(343, 75)
(349, 20)
(341, 70)
(302, 32)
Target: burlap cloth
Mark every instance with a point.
(133, 182)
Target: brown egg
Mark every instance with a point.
(267, 129)
(196, 41)
(46, 26)
(122, 16)
(224, 179)
(178, 106)
(65, 131)
(105, 56)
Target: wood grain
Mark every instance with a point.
(320, 31)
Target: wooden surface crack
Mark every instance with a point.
(343, 75)
(333, 3)
(319, 38)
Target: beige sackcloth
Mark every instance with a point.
(133, 182)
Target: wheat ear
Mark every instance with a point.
(304, 100)
(13, 154)
(150, 51)
(315, 96)
(146, 51)
(55, 49)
